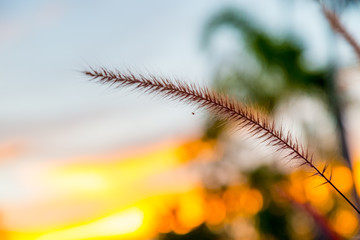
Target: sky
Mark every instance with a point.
(50, 113)
(46, 44)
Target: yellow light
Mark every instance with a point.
(342, 178)
(345, 223)
(216, 210)
(231, 198)
(251, 201)
(297, 189)
(74, 193)
(190, 212)
(357, 173)
(125, 222)
(87, 181)
(318, 194)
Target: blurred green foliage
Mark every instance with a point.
(280, 72)
(282, 68)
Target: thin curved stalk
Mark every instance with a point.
(334, 100)
(223, 107)
(339, 28)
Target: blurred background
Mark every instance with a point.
(85, 161)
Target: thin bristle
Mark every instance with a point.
(220, 105)
(202, 97)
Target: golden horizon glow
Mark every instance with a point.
(83, 189)
(162, 198)
(126, 222)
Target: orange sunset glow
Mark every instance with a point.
(94, 195)
(100, 200)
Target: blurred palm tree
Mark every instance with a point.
(282, 69)
(272, 70)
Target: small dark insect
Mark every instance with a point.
(193, 113)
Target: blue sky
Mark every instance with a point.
(45, 43)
